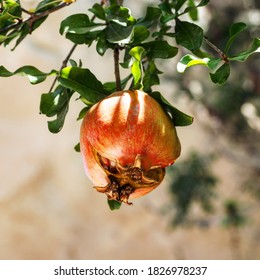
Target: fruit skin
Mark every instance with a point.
(123, 133)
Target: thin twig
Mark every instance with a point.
(216, 49)
(27, 12)
(116, 68)
(65, 61)
(34, 17)
(64, 64)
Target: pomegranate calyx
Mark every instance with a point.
(125, 181)
(114, 191)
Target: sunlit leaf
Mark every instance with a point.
(11, 11)
(98, 11)
(77, 24)
(190, 60)
(253, 48)
(193, 12)
(137, 69)
(46, 5)
(120, 15)
(56, 103)
(34, 75)
(84, 82)
(79, 29)
(51, 103)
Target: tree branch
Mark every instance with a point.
(64, 64)
(216, 49)
(34, 17)
(116, 68)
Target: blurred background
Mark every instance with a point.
(206, 208)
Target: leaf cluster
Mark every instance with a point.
(141, 42)
(14, 25)
(220, 67)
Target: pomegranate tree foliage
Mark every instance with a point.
(158, 34)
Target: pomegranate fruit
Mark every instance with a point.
(126, 141)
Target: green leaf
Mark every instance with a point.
(120, 15)
(84, 82)
(151, 76)
(203, 3)
(178, 118)
(234, 31)
(152, 14)
(51, 103)
(213, 63)
(167, 12)
(193, 11)
(163, 32)
(77, 147)
(34, 75)
(56, 125)
(188, 35)
(77, 24)
(113, 204)
(116, 33)
(6, 39)
(77, 28)
(46, 5)
(253, 48)
(190, 60)
(159, 49)
(221, 75)
(137, 52)
(166, 7)
(137, 68)
(56, 104)
(179, 4)
(141, 33)
(83, 112)
(24, 30)
(11, 11)
(98, 11)
(102, 44)
(12, 7)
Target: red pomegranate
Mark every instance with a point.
(126, 142)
